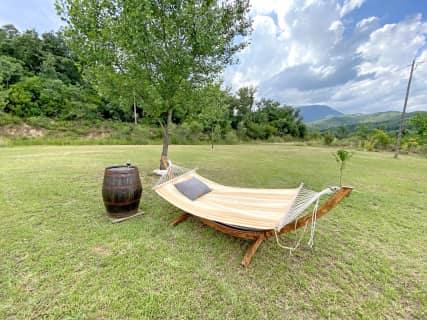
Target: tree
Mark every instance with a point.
(10, 71)
(168, 47)
(214, 111)
(362, 131)
(28, 48)
(342, 132)
(47, 68)
(8, 34)
(242, 105)
(342, 156)
(328, 137)
(23, 99)
(380, 139)
(54, 43)
(419, 122)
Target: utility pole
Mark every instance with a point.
(134, 108)
(402, 116)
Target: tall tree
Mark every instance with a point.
(213, 110)
(10, 71)
(168, 47)
(243, 104)
(419, 122)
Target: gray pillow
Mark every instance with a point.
(192, 188)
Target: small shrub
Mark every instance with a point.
(231, 138)
(342, 156)
(379, 139)
(275, 139)
(328, 138)
(4, 142)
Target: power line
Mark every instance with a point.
(402, 68)
(419, 63)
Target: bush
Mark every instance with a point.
(181, 135)
(231, 138)
(410, 144)
(4, 142)
(195, 128)
(379, 139)
(275, 139)
(314, 135)
(328, 138)
(155, 133)
(6, 118)
(241, 130)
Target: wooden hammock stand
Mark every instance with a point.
(259, 236)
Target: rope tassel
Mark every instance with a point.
(313, 224)
(304, 199)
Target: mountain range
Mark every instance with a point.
(315, 112)
(319, 117)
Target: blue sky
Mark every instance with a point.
(349, 54)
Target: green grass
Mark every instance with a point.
(60, 257)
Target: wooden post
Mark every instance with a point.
(402, 116)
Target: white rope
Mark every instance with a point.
(313, 224)
(303, 200)
(297, 242)
(172, 172)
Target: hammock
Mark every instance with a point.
(243, 211)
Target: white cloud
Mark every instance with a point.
(261, 60)
(278, 7)
(310, 54)
(365, 24)
(338, 29)
(385, 50)
(350, 5)
(312, 26)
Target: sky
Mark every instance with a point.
(352, 55)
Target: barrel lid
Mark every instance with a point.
(120, 169)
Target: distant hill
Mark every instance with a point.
(317, 112)
(388, 120)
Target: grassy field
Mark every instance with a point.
(61, 258)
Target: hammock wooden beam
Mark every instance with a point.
(259, 236)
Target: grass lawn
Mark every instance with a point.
(61, 258)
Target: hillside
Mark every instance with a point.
(388, 120)
(312, 113)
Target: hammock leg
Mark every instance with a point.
(251, 251)
(180, 219)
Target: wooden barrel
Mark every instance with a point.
(121, 190)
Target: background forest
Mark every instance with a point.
(41, 79)
(43, 90)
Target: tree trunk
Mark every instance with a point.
(166, 137)
(212, 139)
(134, 109)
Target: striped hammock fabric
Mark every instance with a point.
(257, 209)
